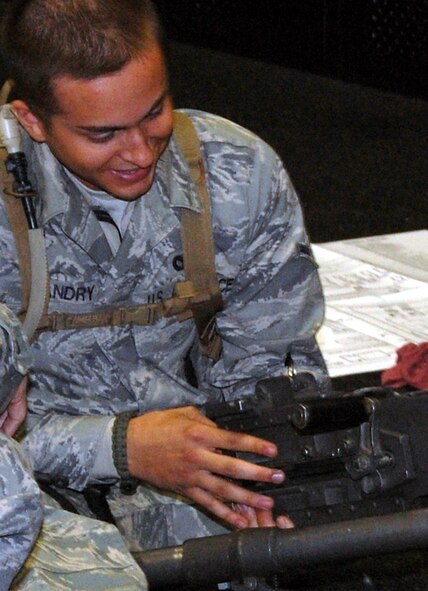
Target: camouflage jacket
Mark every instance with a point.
(270, 285)
(21, 511)
(75, 553)
(43, 547)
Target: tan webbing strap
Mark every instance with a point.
(16, 216)
(18, 223)
(198, 244)
(30, 243)
(143, 315)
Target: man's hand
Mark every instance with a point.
(264, 518)
(181, 450)
(16, 412)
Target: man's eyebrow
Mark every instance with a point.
(101, 128)
(109, 129)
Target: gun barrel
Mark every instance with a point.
(263, 552)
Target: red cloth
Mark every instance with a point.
(411, 368)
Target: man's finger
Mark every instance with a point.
(241, 469)
(284, 522)
(265, 518)
(249, 513)
(230, 491)
(217, 507)
(229, 440)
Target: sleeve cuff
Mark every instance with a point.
(103, 467)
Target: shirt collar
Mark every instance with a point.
(50, 180)
(174, 179)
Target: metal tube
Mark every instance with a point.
(30, 212)
(263, 552)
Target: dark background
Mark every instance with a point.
(337, 87)
(376, 42)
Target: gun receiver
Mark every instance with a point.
(346, 456)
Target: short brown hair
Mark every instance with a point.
(44, 39)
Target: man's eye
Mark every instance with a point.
(155, 112)
(100, 138)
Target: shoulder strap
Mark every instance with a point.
(16, 216)
(31, 250)
(18, 223)
(30, 243)
(198, 243)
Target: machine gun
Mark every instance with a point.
(345, 456)
(356, 485)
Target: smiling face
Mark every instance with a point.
(111, 130)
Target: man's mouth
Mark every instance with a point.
(131, 175)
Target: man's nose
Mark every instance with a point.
(137, 148)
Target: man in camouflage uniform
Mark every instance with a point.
(42, 546)
(100, 138)
(21, 511)
(68, 552)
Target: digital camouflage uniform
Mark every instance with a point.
(271, 291)
(68, 552)
(75, 553)
(21, 511)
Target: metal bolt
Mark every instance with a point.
(307, 452)
(361, 463)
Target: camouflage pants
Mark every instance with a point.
(150, 519)
(74, 553)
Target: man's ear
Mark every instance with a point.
(31, 122)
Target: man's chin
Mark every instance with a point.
(129, 193)
(128, 196)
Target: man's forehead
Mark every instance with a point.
(137, 86)
(150, 59)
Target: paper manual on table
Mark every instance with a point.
(376, 292)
